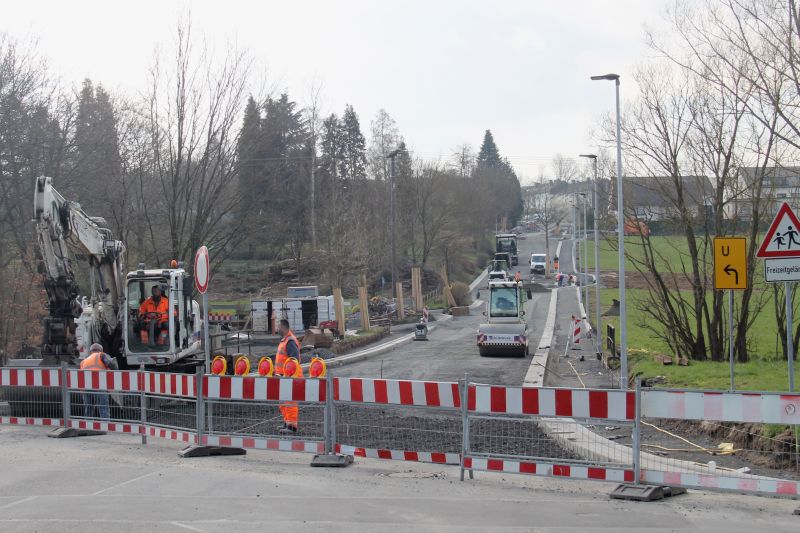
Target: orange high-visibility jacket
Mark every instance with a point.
(150, 306)
(283, 354)
(94, 362)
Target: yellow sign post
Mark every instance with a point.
(730, 272)
(730, 263)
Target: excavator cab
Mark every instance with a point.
(149, 311)
(162, 321)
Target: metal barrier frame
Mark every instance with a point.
(463, 399)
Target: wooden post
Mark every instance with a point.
(448, 294)
(416, 288)
(401, 314)
(338, 307)
(363, 303)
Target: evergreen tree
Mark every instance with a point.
(489, 155)
(354, 161)
(98, 161)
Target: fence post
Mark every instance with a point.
(142, 403)
(332, 414)
(326, 428)
(636, 449)
(66, 409)
(464, 389)
(199, 404)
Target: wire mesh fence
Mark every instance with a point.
(31, 402)
(265, 420)
(564, 440)
(171, 412)
(388, 427)
(733, 450)
(103, 405)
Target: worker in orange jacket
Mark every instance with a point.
(154, 317)
(97, 361)
(288, 349)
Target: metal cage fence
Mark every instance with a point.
(264, 419)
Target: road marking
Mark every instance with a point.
(12, 504)
(125, 483)
(187, 526)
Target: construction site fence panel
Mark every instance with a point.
(398, 419)
(680, 425)
(634, 436)
(548, 432)
(248, 412)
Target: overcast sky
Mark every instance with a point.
(444, 70)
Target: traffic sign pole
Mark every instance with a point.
(206, 343)
(730, 334)
(789, 340)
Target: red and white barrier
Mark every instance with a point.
(254, 443)
(30, 377)
(766, 408)
(28, 421)
(166, 384)
(397, 392)
(620, 475)
(104, 380)
(551, 402)
(102, 425)
(400, 455)
(264, 389)
(778, 487)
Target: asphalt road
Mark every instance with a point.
(112, 483)
(451, 351)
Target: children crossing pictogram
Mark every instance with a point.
(783, 237)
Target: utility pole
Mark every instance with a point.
(597, 326)
(393, 219)
(313, 193)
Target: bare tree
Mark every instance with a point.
(193, 112)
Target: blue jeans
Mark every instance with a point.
(98, 400)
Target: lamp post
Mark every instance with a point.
(623, 323)
(598, 328)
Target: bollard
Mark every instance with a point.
(142, 404)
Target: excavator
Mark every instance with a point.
(108, 312)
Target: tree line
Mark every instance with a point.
(205, 156)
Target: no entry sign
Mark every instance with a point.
(201, 269)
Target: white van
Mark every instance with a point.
(538, 261)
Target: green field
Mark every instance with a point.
(668, 251)
(766, 370)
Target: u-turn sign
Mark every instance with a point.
(730, 263)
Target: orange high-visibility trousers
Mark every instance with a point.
(290, 410)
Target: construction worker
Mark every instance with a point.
(154, 317)
(288, 348)
(96, 360)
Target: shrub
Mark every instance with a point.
(461, 293)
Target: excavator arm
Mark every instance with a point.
(66, 234)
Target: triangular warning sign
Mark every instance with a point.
(783, 236)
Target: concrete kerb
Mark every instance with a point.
(380, 348)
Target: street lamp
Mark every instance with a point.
(623, 323)
(598, 328)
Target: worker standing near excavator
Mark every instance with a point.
(287, 364)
